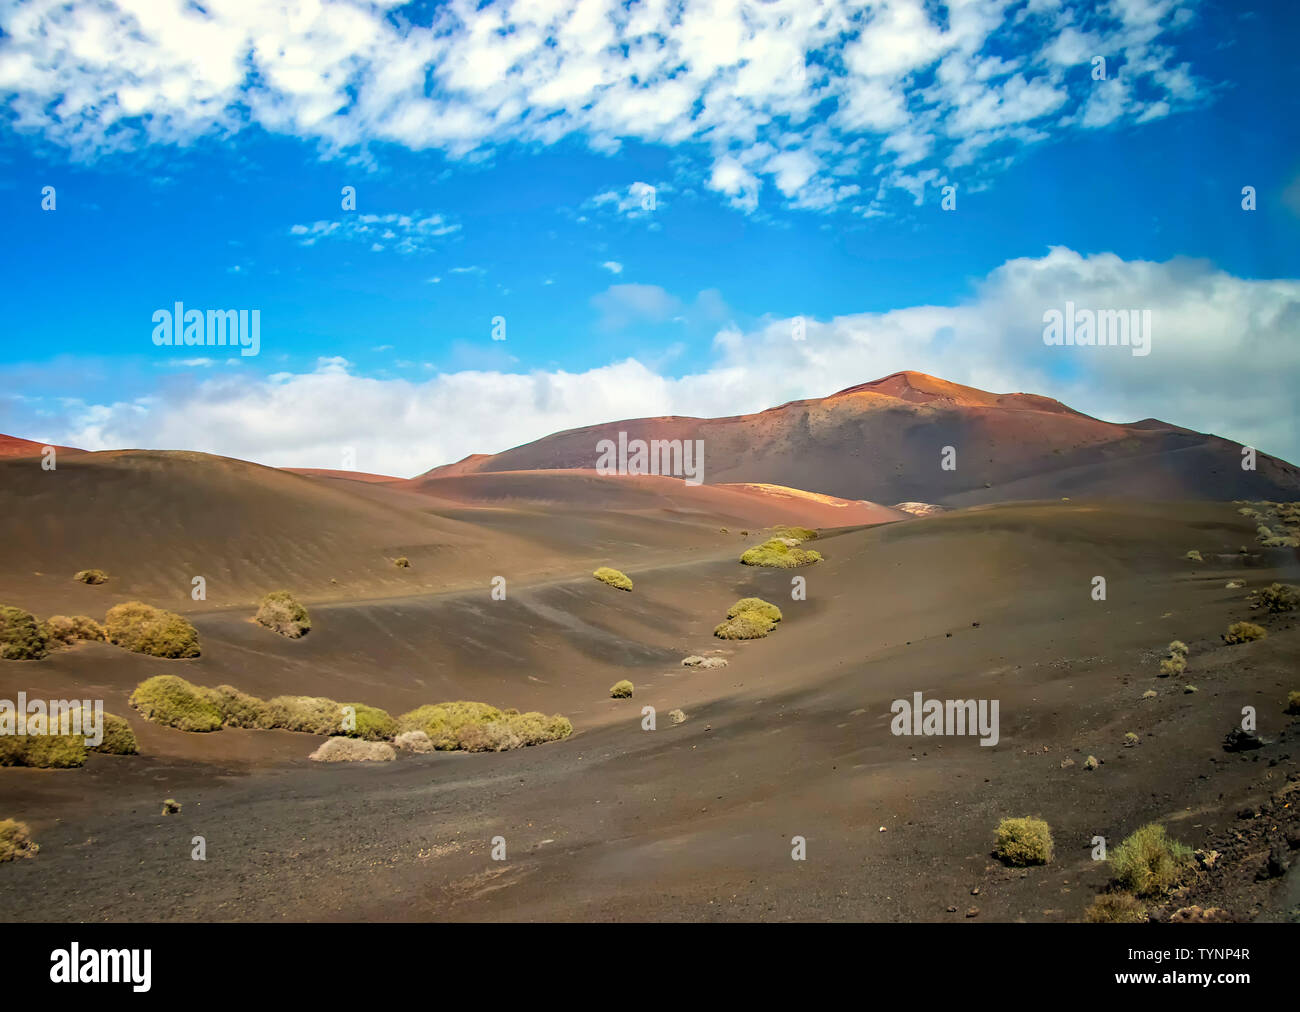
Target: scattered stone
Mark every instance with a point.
(973, 912)
(1238, 740)
(676, 716)
(1276, 866)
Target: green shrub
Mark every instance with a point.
(91, 576)
(621, 689)
(1293, 702)
(44, 751)
(337, 750)
(145, 629)
(613, 577)
(173, 702)
(1115, 908)
(22, 638)
(776, 553)
(1277, 597)
(1243, 632)
(755, 606)
(1194, 556)
(1173, 665)
(745, 626)
(1024, 841)
(797, 533)
(402, 562)
(68, 630)
(372, 723)
(239, 709)
(444, 723)
(171, 806)
(16, 841)
(1177, 647)
(119, 739)
(517, 730)
(281, 612)
(677, 716)
(307, 714)
(1149, 863)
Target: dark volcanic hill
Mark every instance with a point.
(885, 440)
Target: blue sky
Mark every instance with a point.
(501, 154)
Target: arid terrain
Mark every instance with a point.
(993, 598)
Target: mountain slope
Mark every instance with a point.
(885, 441)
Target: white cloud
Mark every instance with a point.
(1201, 318)
(639, 200)
(406, 233)
(798, 93)
(621, 305)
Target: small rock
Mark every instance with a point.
(1238, 740)
(1276, 866)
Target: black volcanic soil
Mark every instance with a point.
(695, 821)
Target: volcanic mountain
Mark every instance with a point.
(885, 441)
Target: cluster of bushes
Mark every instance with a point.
(45, 751)
(173, 702)
(145, 629)
(1285, 517)
(22, 637)
(613, 577)
(1175, 663)
(473, 727)
(477, 727)
(1277, 597)
(1022, 842)
(65, 751)
(750, 618)
(1147, 864)
(16, 840)
(67, 630)
(779, 553)
(281, 612)
(1243, 632)
(132, 626)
